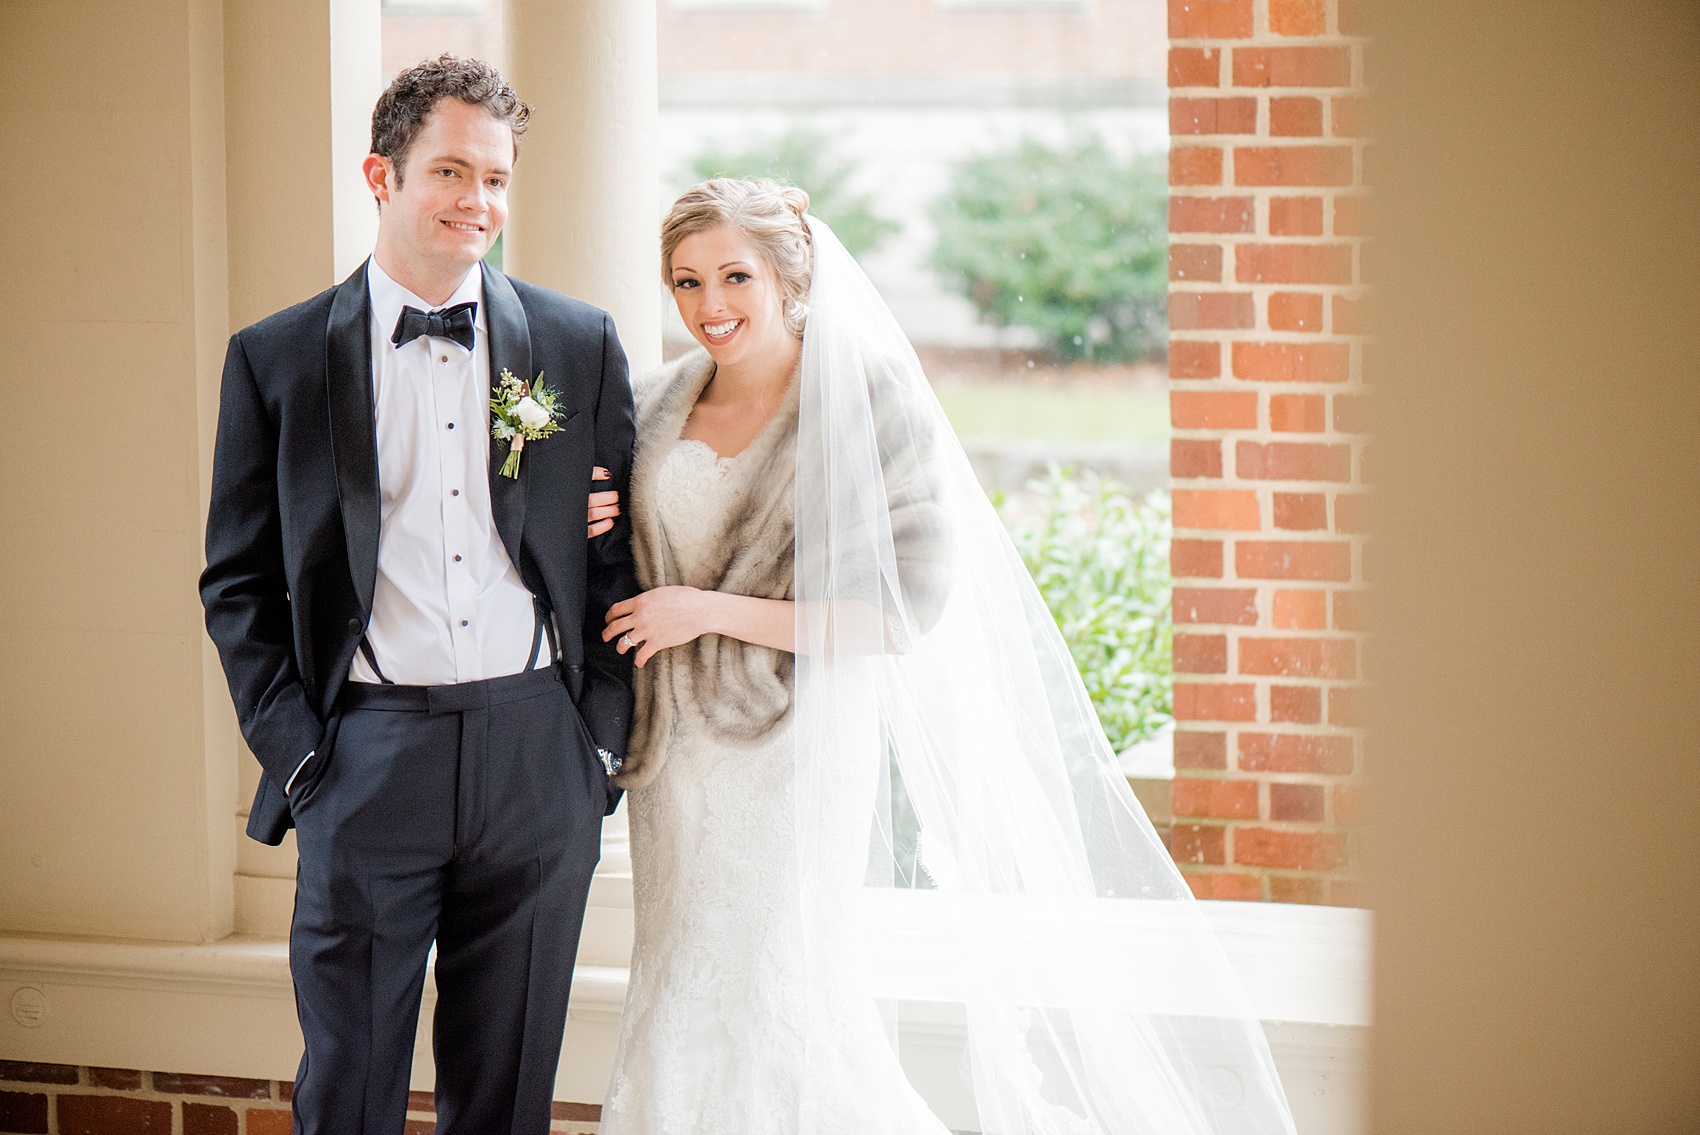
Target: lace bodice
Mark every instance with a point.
(691, 496)
(712, 1036)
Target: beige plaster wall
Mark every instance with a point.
(190, 167)
(1534, 816)
(117, 767)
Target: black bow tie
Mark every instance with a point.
(445, 323)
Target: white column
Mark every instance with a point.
(356, 81)
(300, 80)
(301, 77)
(585, 214)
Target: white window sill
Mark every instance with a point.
(226, 1008)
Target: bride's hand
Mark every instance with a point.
(604, 507)
(655, 620)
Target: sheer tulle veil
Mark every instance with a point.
(971, 860)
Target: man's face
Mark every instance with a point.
(444, 207)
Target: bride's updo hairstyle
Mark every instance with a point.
(769, 213)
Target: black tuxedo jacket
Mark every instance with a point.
(292, 528)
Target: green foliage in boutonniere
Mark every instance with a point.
(522, 412)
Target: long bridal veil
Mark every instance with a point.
(971, 860)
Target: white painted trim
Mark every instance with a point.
(226, 1008)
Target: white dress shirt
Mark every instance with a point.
(449, 605)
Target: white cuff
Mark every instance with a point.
(291, 782)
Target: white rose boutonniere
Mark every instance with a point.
(522, 412)
(530, 413)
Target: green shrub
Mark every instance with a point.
(1070, 242)
(1101, 560)
(803, 158)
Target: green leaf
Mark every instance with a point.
(1100, 559)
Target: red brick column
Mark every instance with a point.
(1265, 356)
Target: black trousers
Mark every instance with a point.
(469, 816)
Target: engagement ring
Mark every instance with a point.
(626, 641)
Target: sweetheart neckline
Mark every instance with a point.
(719, 460)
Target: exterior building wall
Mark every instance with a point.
(909, 38)
(1100, 39)
(1266, 359)
(128, 1101)
(901, 90)
(905, 90)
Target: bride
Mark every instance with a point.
(868, 795)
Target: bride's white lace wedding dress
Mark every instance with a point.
(712, 1036)
(1064, 979)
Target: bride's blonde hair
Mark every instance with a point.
(769, 213)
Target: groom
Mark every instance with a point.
(412, 637)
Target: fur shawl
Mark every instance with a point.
(717, 689)
(720, 690)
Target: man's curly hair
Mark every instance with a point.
(401, 110)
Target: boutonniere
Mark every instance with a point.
(522, 412)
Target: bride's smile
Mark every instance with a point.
(721, 333)
(730, 299)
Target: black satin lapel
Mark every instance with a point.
(354, 430)
(510, 350)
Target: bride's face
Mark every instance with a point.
(729, 296)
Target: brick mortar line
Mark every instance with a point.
(150, 1094)
(1356, 384)
(1266, 335)
(145, 1093)
(1229, 384)
(1237, 532)
(1329, 287)
(1298, 437)
(1228, 188)
(1298, 827)
(1253, 386)
(1266, 433)
(1272, 39)
(1320, 779)
(1285, 728)
(1261, 293)
(1259, 434)
(1216, 533)
(1279, 632)
(1236, 483)
(1319, 634)
(1230, 776)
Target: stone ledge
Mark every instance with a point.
(226, 1008)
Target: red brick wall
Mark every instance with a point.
(1266, 120)
(39, 1098)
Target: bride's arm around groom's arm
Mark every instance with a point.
(606, 701)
